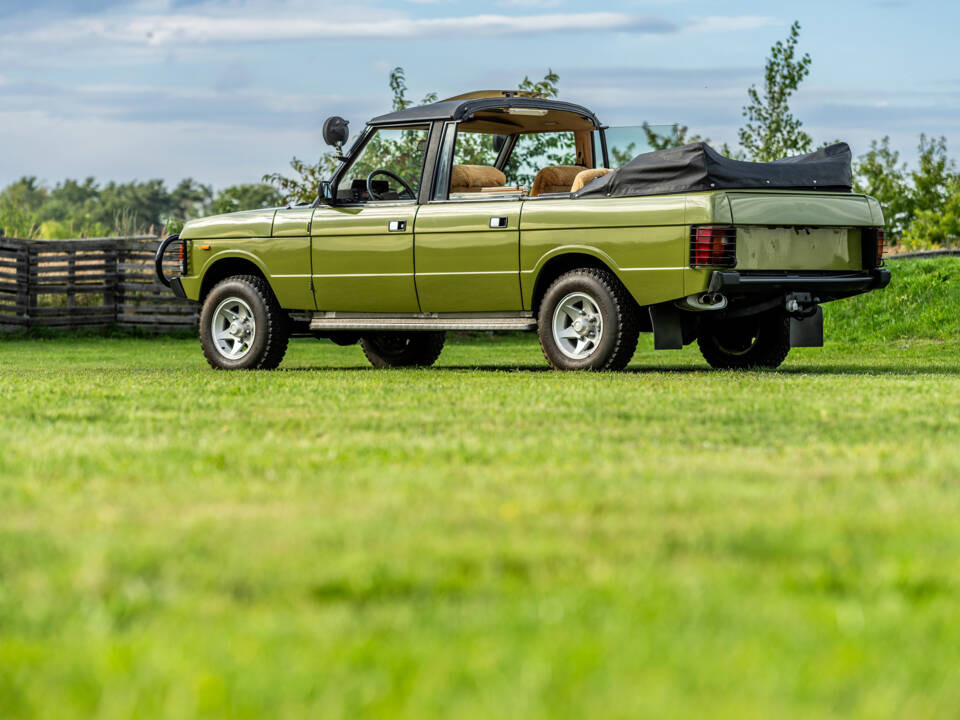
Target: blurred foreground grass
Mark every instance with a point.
(482, 539)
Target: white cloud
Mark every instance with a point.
(718, 24)
(186, 29)
(529, 3)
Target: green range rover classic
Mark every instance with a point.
(504, 211)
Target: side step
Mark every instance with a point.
(420, 322)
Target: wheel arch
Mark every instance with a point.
(553, 266)
(224, 266)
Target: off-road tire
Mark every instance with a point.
(414, 349)
(619, 311)
(272, 324)
(754, 341)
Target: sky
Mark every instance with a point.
(226, 90)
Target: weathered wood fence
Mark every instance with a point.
(96, 283)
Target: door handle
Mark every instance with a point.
(498, 222)
(397, 225)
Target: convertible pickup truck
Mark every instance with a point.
(500, 210)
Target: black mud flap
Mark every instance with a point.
(672, 328)
(808, 331)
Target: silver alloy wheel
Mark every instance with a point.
(233, 328)
(577, 326)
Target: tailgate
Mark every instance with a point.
(799, 231)
(801, 208)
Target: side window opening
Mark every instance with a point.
(473, 174)
(534, 151)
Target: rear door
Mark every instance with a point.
(467, 256)
(467, 245)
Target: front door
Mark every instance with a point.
(362, 246)
(363, 257)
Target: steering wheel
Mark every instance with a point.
(382, 171)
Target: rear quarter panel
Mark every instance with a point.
(642, 239)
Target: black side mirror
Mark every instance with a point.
(325, 192)
(335, 131)
(498, 142)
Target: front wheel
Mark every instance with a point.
(588, 321)
(416, 349)
(753, 341)
(242, 326)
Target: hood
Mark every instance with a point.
(243, 224)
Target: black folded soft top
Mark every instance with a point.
(698, 167)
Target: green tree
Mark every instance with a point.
(772, 132)
(880, 173)
(935, 175)
(937, 227)
(659, 141)
(246, 197)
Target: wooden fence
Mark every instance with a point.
(96, 283)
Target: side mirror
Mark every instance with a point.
(335, 131)
(498, 142)
(325, 192)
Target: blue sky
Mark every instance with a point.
(226, 90)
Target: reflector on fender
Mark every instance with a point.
(182, 256)
(713, 245)
(872, 247)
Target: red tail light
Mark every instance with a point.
(872, 246)
(712, 245)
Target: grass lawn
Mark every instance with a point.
(486, 539)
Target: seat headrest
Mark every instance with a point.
(476, 176)
(585, 177)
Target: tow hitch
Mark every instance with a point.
(806, 319)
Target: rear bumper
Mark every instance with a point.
(828, 285)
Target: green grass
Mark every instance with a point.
(483, 539)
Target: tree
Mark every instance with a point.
(302, 186)
(657, 141)
(935, 176)
(879, 173)
(772, 132)
(246, 197)
(937, 227)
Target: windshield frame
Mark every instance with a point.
(356, 150)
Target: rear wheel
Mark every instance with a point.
(588, 321)
(242, 326)
(753, 341)
(417, 349)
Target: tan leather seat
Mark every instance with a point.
(585, 177)
(473, 178)
(554, 178)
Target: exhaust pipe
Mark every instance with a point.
(705, 301)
